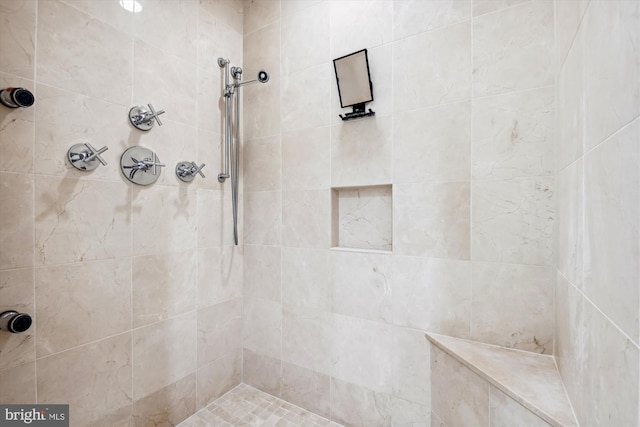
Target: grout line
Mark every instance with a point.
(583, 295)
(34, 201)
(471, 180)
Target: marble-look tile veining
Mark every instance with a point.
(247, 406)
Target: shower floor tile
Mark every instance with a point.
(247, 406)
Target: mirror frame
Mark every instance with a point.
(366, 57)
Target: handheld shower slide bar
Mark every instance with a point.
(231, 120)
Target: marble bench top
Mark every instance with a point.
(531, 379)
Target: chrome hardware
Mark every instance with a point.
(142, 117)
(186, 171)
(14, 322)
(85, 157)
(140, 165)
(16, 97)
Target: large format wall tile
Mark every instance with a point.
(432, 219)
(262, 326)
(426, 82)
(219, 331)
(505, 411)
(158, 15)
(17, 45)
(263, 218)
(433, 144)
(459, 397)
(362, 353)
(306, 219)
(258, 14)
(297, 148)
(95, 380)
(306, 98)
(17, 293)
(82, 54)
(511, 306)
(164, 219)
(163, 353)
(411, 366)
(109, 12)
(568, 17)
(570, 106)
(612, 228)
(611, 68)
(432, 294)
(16, 227)
(353, 405)
(215, 218)
(357, 24)
(262, 372)
(18, 384)
(163, 286)
(261, 114)
(72, 215)
(513, 49)
(262, 272)
(220, 275)
(306, 338)
(571, 338)
(417, 16)
(305, 282)
(217, 378)
(570, 222)
(167, 406)
(361, 286)
(361, 152)
(80, 303)
(513, 135)
(16, 126)
(312, 26)
(612, 373)
(308, 389)
(513, 220)
(262, 164)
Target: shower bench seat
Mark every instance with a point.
(480, 384)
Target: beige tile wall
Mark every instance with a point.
(598, 205)
(463, 132)
(135, 292)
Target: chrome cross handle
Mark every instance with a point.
(85, 157)
(142, 117)
(186, 171)
(153, 161)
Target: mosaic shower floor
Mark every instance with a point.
(247, 406)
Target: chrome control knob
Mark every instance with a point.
(143, 117)
(186, 171)
(85, 157)
(14, 322)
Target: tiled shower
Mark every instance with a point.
(495, 196)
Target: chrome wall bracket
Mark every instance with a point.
(140, 165)
(143, 117)
(186, 171)
(85, 157)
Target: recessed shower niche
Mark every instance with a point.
(362, 218)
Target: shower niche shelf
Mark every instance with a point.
(361, 218)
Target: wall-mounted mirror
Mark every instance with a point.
(354, 83)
